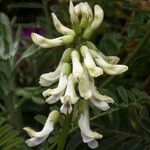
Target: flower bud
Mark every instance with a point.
(60, 27)
(77, 67)
(48, 43)
(93, 70)
(98, 18)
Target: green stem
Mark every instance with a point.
(47, 17)
(64, 133)
(131, 56)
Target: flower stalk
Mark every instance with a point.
(75, 75)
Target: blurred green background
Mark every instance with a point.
(125, 32)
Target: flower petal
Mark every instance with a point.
(93, 70)
(77, 67)
(84, 86)
(97, 53)
(93, 144)
(60, 27)
(48, 43)
(66, 108)
(98, 18)
(87, 134)
(100, 104)
(66, 68)
(70, 91)
(39, 137)
(109, 68)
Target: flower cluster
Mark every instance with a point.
(76, 71)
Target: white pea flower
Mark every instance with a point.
(112, 69)
(84, 15)
(96, 96)
(95, 52)
(50, 78)
(74, 18)
(93, 70)
(70, 90)
(84, 85)
(66, 68)
(39, 137)
(70, 97)
(66, 107)
(60, 27)
(48, 43)
(88, 136)
(76, 64)
(54, 98)
(98, 18)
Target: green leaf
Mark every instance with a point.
(122, 93)
(9, 138)
(29, 52)
(145, 124)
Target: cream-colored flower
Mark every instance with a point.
(60, 27)
(76, 64)
(95, 52)
(66, 68)
(39, 137)
(48, 43)
(88, 136)
(93, 70)
(112, 69)
(50, 78)
(84, 85)
(74, 18)
(98, 18)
